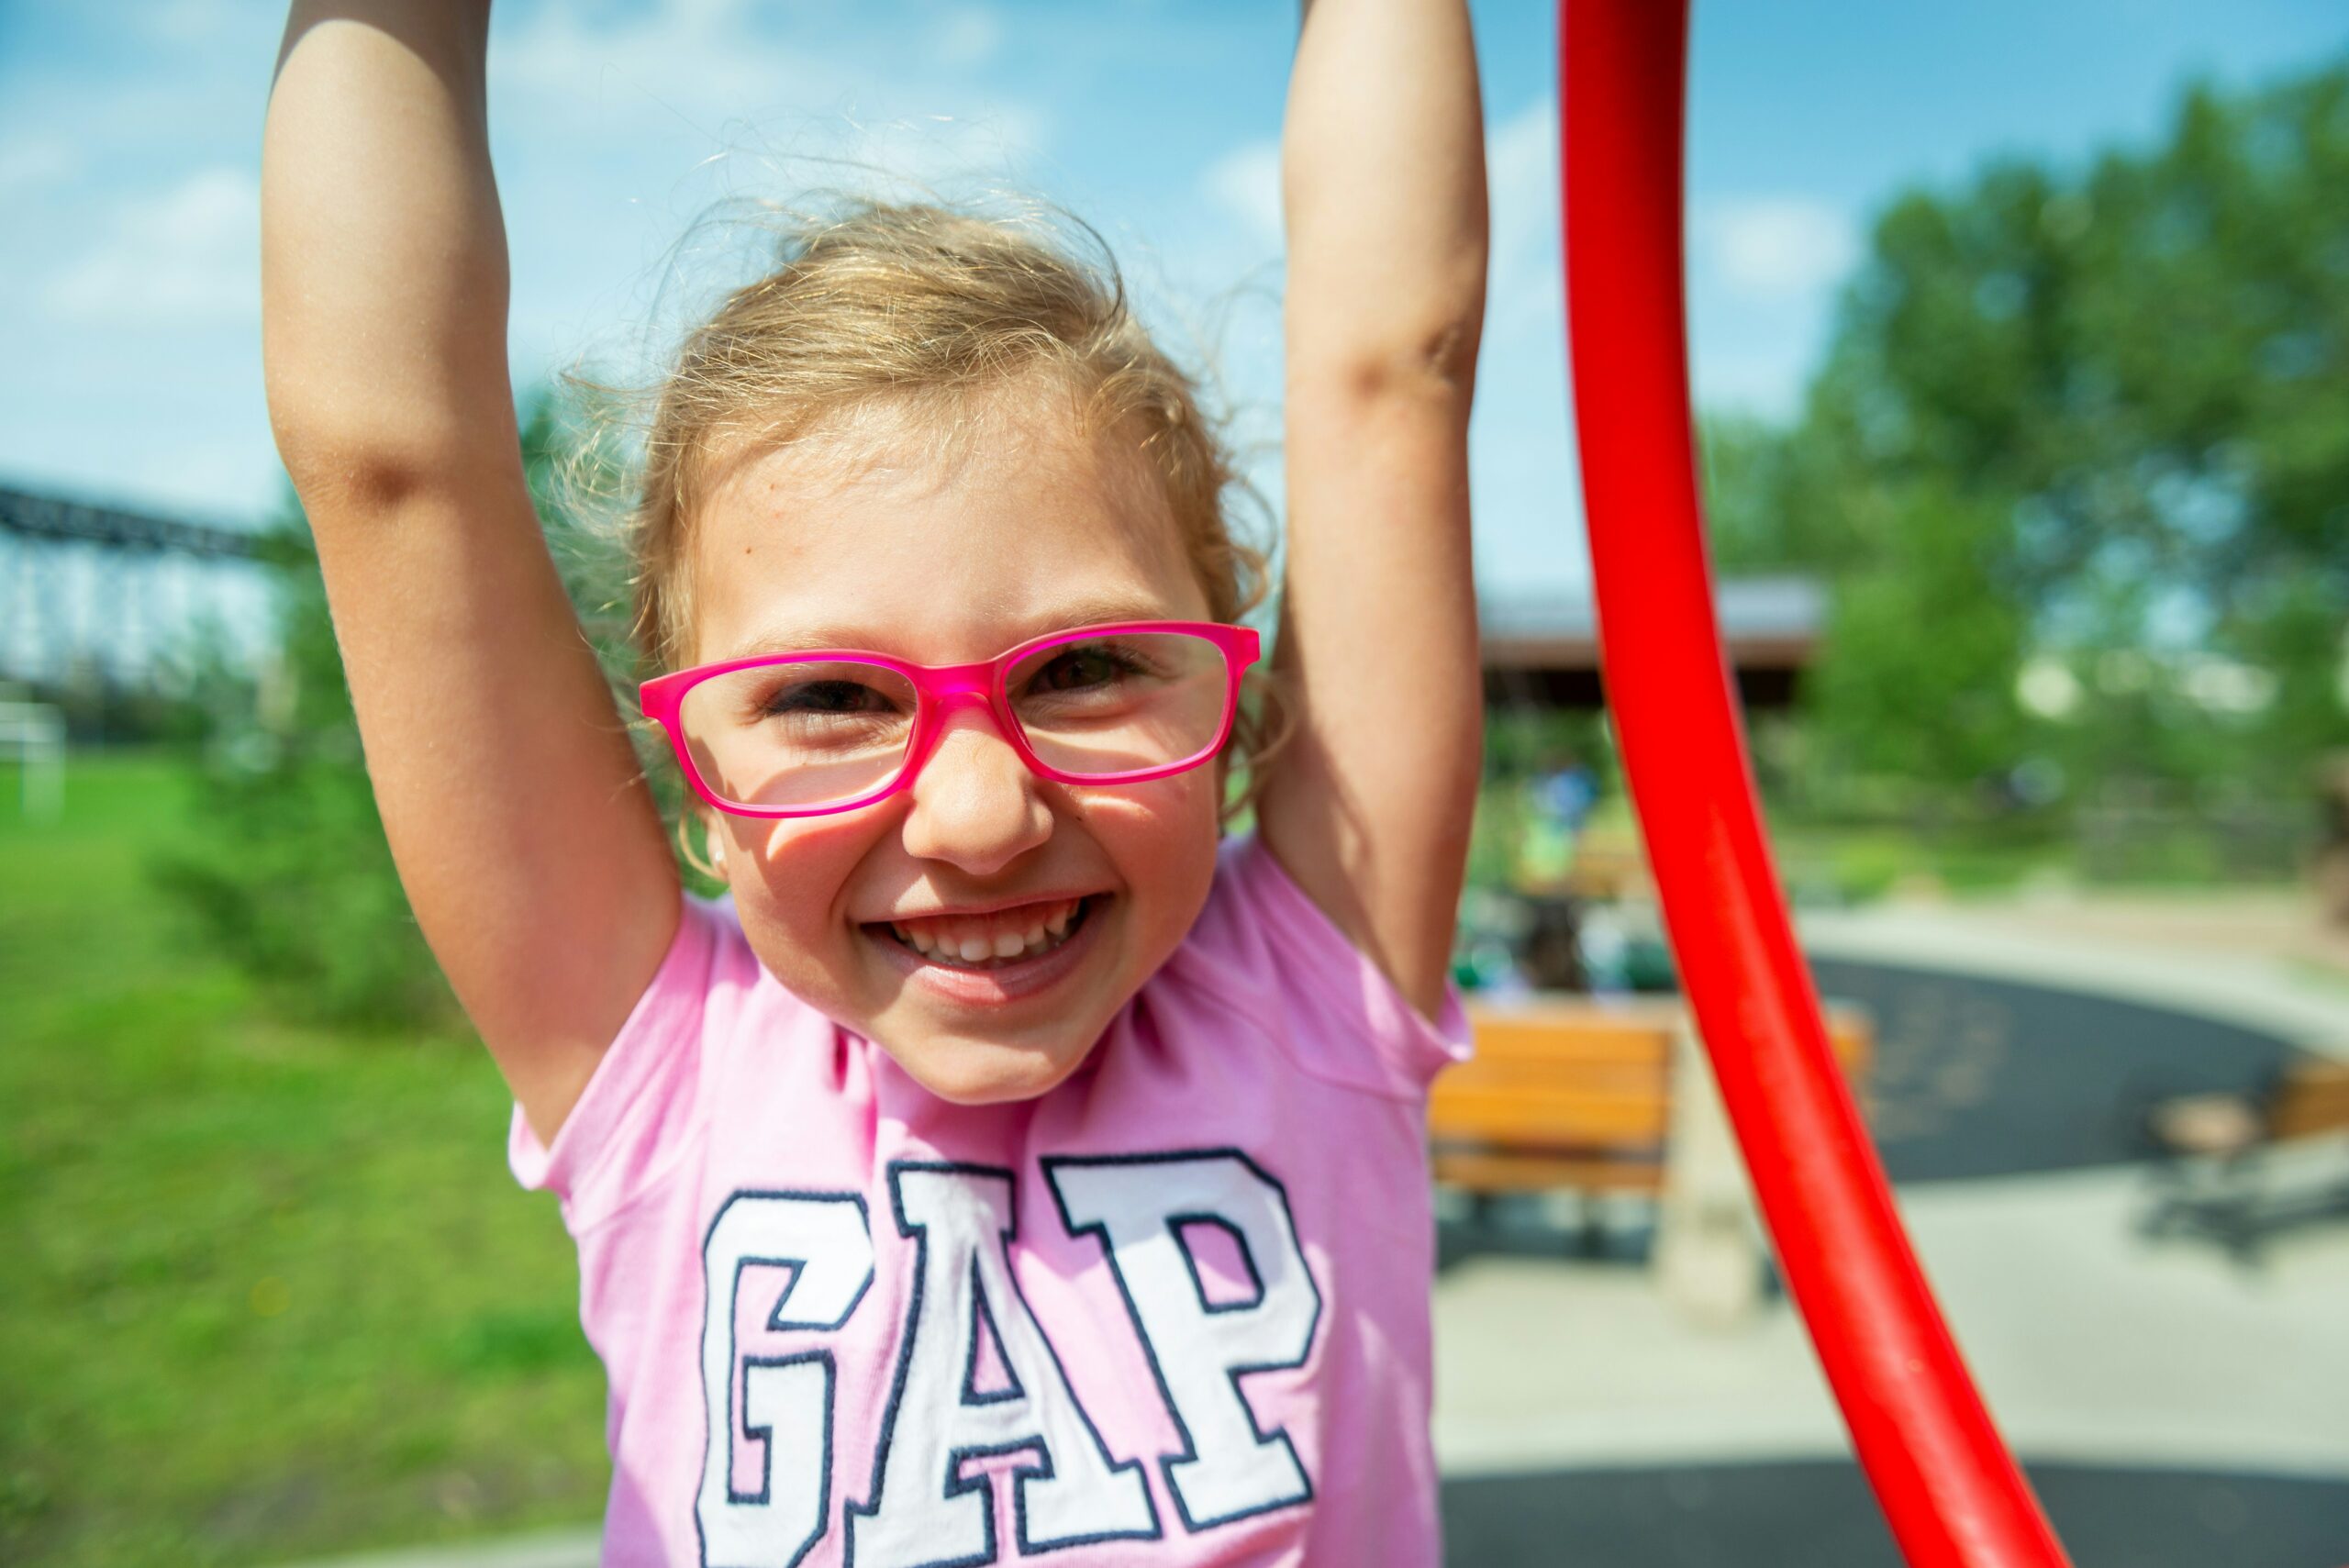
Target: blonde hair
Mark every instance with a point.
(922, 307)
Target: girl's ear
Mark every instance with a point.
(713, 835)
(710, 857)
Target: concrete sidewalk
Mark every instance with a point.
(550, 1549)
(2089, 1345)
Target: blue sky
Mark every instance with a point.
(129, 361)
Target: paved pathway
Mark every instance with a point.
(550, 1549)
(2089, 1344)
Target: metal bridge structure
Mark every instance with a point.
(91, 592)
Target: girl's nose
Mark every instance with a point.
(975, 805)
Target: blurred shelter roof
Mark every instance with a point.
(1542, 649)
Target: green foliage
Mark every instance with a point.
(2096, 416)
(1913, 690)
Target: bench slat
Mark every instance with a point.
(1487, 1172)
(1599, 1078)
(1548, 1116)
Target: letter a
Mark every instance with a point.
(1230, 1468)
(921, 1510)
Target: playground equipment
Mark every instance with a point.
(1950, 1490)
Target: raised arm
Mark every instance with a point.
(523, 833)
(1383, 177)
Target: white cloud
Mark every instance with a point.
(966, 37)
(643, 154)
(188, 21)
(1775, 247)
(32, 162)
(698, 55)
(709, 69)
(933, 151)
(1246, 182)
(190, 257)
(1522, 176)
(1521, 169)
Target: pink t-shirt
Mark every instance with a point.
(1173, 1312)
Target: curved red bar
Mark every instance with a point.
(1953, 1495)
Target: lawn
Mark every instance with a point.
(269, 1291)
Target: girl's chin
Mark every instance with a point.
(984, 1073)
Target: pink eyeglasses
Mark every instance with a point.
(809, 734)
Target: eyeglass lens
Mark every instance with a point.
(808, 733)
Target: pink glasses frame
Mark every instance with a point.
(941, 687)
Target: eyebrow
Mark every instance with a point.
(844, 636)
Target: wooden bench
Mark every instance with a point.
(2218, 1157)
(1574, 1091)
(1605, 1097)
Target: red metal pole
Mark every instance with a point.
(1950, 1490)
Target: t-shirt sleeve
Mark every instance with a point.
(642, 1105)
(1346, 1022)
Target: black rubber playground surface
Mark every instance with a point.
(1975, 1077)
(1820, 1514)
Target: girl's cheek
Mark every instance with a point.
(1169, 807)
(801, 867)
(790, 845)
(795, 879)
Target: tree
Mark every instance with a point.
(2098, 414)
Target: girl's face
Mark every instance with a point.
(837, 544)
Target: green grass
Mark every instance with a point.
(1855, 862)
(266, 1291)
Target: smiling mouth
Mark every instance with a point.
(967, 945)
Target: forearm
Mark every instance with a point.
(1383, 185)
(384, 267)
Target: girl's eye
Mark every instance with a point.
(824, 697)
(1083, 668)
(1096, 676)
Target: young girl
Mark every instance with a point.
(1011, 1165)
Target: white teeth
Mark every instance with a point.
(978, 948)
